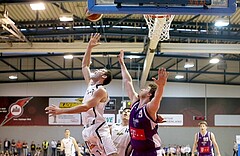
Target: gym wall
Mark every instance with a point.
(178, 98)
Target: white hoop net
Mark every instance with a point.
(158, 26)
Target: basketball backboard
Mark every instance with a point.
(173, 7)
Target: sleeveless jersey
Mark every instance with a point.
(95, 114)
(204, 143)
(121, 138)
(68, 145)
(143, 130)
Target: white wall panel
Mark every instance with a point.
(77, 88)
(223, 90)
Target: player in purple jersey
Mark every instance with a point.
(145, 140)
(204, 142)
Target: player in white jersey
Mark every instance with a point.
(69, 145)
(120, 134)
(96, 132)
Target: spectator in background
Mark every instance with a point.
(85, 150)
(45, 145)
(6, 145)
(19, 147)
(188, 150)
(166, 150)
(38, 150)
(178, 150)
(7, 153)
(13, 146)
(163, 151)
(58, 148)
(33, 148)
(0, 145)
(53, 146)
(15, 153)
(172, 150)
(25, 148)
(235, 148)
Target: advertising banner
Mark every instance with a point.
(110, 118)
(65, 119)
(172, 120)
(23, 111)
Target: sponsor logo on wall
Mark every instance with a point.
(65, 119)
(15, 111)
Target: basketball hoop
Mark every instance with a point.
(158, 26)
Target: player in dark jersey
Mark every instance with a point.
(145, 140)
(204, 142)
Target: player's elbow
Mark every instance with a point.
(85, 108)
(127, 81)
(85, 65)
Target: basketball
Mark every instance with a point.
(93, 17)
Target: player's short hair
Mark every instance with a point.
(126, 109)
(152, 90)
(108, 79)
(202, 122)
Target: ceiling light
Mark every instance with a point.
(133, 56)
(13, 77)
(189, 64)
(214, 60)
(37, 6)
(179, 76)
(221, 22)
(68, 57)
(66, 17)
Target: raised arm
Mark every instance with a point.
(154, 104)
(99, 95)
(127, 79)
(94, 41)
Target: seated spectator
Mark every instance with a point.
(38, 150)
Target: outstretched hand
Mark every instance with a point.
(121, 56)
(94, 40)
(52, 110)
(162, 77)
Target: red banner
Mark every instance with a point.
(23, 111)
